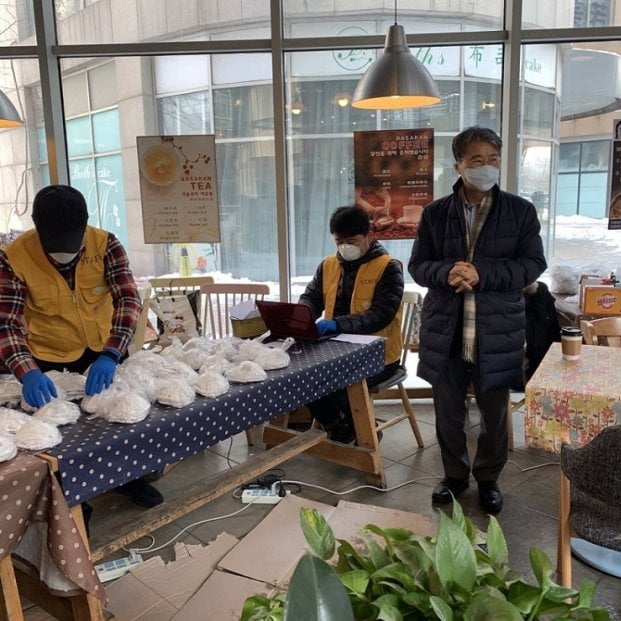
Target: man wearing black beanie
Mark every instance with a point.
(68, 301)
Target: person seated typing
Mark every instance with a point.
(358, 290)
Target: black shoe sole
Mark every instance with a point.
(444, 498)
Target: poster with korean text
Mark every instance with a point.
(393, 179)
(178, 189)
(614, 205)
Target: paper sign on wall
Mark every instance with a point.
(178, 189)
(394, 179)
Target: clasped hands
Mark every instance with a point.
(463, 276)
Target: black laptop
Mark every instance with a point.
(284, 319)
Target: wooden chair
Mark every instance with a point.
(590, 497)
(411, 300)
(141, 327)
(220, 297)
(606, 331)
(168, 286)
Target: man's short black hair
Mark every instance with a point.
(349, 221)
(474, 134)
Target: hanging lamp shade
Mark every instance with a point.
(8, 114)
(396, 79)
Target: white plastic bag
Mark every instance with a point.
(12, 420)
(37, 435)
(210, 384)
(126, 407)
(246, 372)
(8, 448)
(58, 412)
(176, 392)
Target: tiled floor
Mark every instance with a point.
(528, 517)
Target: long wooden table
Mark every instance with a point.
(96, 456)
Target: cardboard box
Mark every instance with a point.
(248, 328)
(601, 300)
(191, 587)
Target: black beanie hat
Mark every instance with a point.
(60, 214)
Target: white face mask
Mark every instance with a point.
(349, 252)
(483, 178)
(63, 257)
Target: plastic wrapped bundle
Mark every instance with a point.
(246, 372)
(211, 384)
(216, 363)
(174, 350)
(95, 403)
(140, 379)
(564, 279)
(58, 412)
(195, 358)
(228, 349)
(147, 360)
(71, 383)
(126, 407)
(176, 368)
(37, 435)
(10, 390)
(199, 342)
(273, 359)
(250, 350)
(12, 420)
(8, 448)
(176, 392)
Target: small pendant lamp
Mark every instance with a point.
(396, 79)
(8, 114)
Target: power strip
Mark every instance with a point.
(117, 568)
(260, 496)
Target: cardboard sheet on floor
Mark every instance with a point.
(219, 577)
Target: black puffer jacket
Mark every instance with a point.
(508, 256)
(386, 298)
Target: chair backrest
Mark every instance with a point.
(594, 472)
(606, 331)
(411, 308)
(139, 335)
(220, 297)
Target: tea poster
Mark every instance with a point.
(614, 206)
(393, 179)
(178, 189)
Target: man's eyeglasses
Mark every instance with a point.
(477, 162)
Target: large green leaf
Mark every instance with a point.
(523, 596)
(388, 608)
(316, 593)
(256, 608)
(355, 581)
(397, 573)
(542, 568)
(317, 533)
(375, 553)
(350, 559)
(496, 543)
(587, 592)
(487, 608)
(455, 559)
(441, 608)
(559, 594)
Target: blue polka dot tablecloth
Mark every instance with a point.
(96, 456)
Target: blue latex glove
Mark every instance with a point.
(326, 326)
(101, 372)
(37, 388)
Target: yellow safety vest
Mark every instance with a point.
(367, 277)
(62, 323)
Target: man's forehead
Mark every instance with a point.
(480, 147)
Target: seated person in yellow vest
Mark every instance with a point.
(68, 300)
(359, 291)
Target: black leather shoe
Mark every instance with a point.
(441, 494)
(141, 492)
(490, 497)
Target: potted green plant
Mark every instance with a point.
(460, 574)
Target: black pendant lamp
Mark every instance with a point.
(396, 79)
(9, 116)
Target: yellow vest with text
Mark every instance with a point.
(367, 277)
(62, 323)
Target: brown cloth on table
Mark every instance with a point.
(30, 493)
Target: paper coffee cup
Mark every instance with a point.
(571, 343)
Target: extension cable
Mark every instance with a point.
(263, 495)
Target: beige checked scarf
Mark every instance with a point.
(468, 352)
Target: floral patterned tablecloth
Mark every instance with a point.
(571, 401)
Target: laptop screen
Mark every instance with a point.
(285, 319)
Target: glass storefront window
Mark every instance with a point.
(570, 13)
(17, 23)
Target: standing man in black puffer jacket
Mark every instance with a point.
(475, 251)
(359, 291)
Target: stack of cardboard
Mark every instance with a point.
(212, 582)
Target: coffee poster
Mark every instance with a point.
(614, 205)
(178, 189)
(393, 179)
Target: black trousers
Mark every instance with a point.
(334, 408)
(449, 400)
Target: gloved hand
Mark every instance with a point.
(326, 326)
(101, 372)
(37, 388)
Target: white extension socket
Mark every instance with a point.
(117, 568)
(260, 496)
